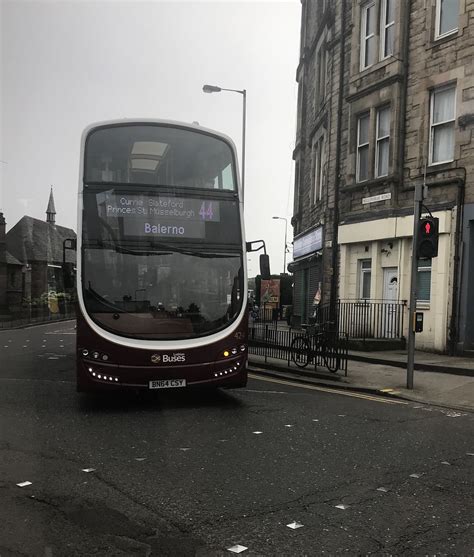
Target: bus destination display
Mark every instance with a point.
(160, 216)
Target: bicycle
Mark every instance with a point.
(325, 343)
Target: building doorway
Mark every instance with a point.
(390, 298)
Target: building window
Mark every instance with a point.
(300, 107)
(318, 164)
(423, 281)
(387, 28)
(447, 12)
(363, 148)
(442, 117)
(321, 75)
(368, 38)
(296, 207)
(383, 142)
(365, 279)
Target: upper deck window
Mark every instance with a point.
(158, 155)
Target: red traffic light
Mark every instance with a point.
(427, 243)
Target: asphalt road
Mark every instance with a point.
(190, 473)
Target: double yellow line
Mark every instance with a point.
(341, 392)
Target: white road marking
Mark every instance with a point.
(237, 548)
(294, 525)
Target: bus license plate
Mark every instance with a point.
(167, 383)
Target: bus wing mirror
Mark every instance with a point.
(68, 275)
(265, 266)
(255, 246)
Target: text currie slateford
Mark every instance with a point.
(158, 207)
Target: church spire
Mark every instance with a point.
(51, 211)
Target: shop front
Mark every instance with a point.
(308, 274)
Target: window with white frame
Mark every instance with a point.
(365, 278)
(362, 171)
(318, 165)
(387, 28)
(442, 120)
(382, 142)
(368, 39)
(423, 281)
(446, 21)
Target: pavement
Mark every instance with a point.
(435, 380)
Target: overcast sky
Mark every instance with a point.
(66, 64)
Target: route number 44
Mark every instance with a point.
(206, 212)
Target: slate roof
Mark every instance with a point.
(12, 260)
(36, 240)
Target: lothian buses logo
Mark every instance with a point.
(168, 358)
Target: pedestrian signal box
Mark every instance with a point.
(418, 322)
(428, 234)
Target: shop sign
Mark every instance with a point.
(308, 243)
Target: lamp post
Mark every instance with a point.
(243, 92)
(284, 253)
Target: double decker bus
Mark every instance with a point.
(161, 266)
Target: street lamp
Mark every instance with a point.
(284, 253)
(243, 92)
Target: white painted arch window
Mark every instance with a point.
(446, 21)
(363, 146)
(382, 141)
(368, 39)
(387, 28)
(365, 278)
(442, 124)
(423, 281)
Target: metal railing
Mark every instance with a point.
(270, 341)
(372, 319)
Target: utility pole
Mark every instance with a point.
(414, 271)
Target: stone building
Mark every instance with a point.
(407, 117)
(321, 141)
(31, 256)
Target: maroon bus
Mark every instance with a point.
(161, 266)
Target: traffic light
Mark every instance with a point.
(428, 233)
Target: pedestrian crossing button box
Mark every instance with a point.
(418, 322)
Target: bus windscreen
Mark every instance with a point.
(159, 266)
